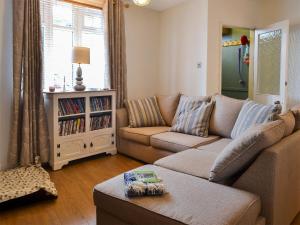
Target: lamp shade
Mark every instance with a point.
(81, 55)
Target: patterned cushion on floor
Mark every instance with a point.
(23, 181)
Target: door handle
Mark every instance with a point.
(92, 145)
(84, 146)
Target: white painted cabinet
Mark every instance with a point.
(81, 124)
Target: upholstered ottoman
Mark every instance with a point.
(190, 200)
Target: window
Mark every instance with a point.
(65, 25)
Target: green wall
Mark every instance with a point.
(230, 67)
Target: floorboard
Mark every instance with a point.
(74, 183)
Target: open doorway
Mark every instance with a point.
(236, 62)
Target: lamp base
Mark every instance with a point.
(79, 86)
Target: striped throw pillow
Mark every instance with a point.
(144, 113)
(187, 103)
(194, 120)
(252, 114)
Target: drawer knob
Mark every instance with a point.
(58, 145)
(84, 145)
(58, 154)
(92, 145)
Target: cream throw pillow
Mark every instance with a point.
(242, 151)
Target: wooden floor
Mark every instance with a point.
(74, 183)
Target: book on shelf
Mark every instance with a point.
(100, 122)
(69, 106)
(142, 183)
(101, 103)
(72, 126)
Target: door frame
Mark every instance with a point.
(283, 69)
(251, 56)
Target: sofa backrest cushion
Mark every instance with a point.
(296, 112)
(195, 120)
(144, 113)
(167, 106)
(224, 115)
(289, 120)
(253, 113)
(239, 153)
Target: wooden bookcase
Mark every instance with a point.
(81, 124)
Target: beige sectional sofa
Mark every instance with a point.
(266, 192)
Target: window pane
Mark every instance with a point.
(94, 22)
(93, 74)
(58, 58)
(62, 15)
(269, 53)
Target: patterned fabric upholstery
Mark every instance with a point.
(23, 181)
(144, 113)
(194, 119)
(253, 113)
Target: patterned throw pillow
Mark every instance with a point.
(194, 120)
(252, 114)
(187, 103)
(144, 113)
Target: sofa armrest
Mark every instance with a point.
(275, 177)
(121, 121)
(122, 118)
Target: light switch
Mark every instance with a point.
(199, 65)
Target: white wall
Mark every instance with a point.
(5, 77)
(278, 10)
(183, 37)
(142, 40)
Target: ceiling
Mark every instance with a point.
(161, 5)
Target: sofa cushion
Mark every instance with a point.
(141, 135)
(224, 115)
(189, 200)
(243, 150)
(176, 142)
(289, 121)
(168, 105)
(216, 146)
(194, 121)
(192, 161)
(144, 113)
(187, 103)
(253, 113)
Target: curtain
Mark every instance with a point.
(29, 133)
(116, 44)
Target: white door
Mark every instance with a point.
(271, 64)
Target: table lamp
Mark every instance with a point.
(80, 55)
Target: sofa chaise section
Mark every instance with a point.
(189, 200)
(196, 162)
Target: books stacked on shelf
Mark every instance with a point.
(101, 103)
(100, 122)
(69, 106)
(72, 126)
(143, 182)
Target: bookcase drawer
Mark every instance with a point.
(101, 142)
(70, 149)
